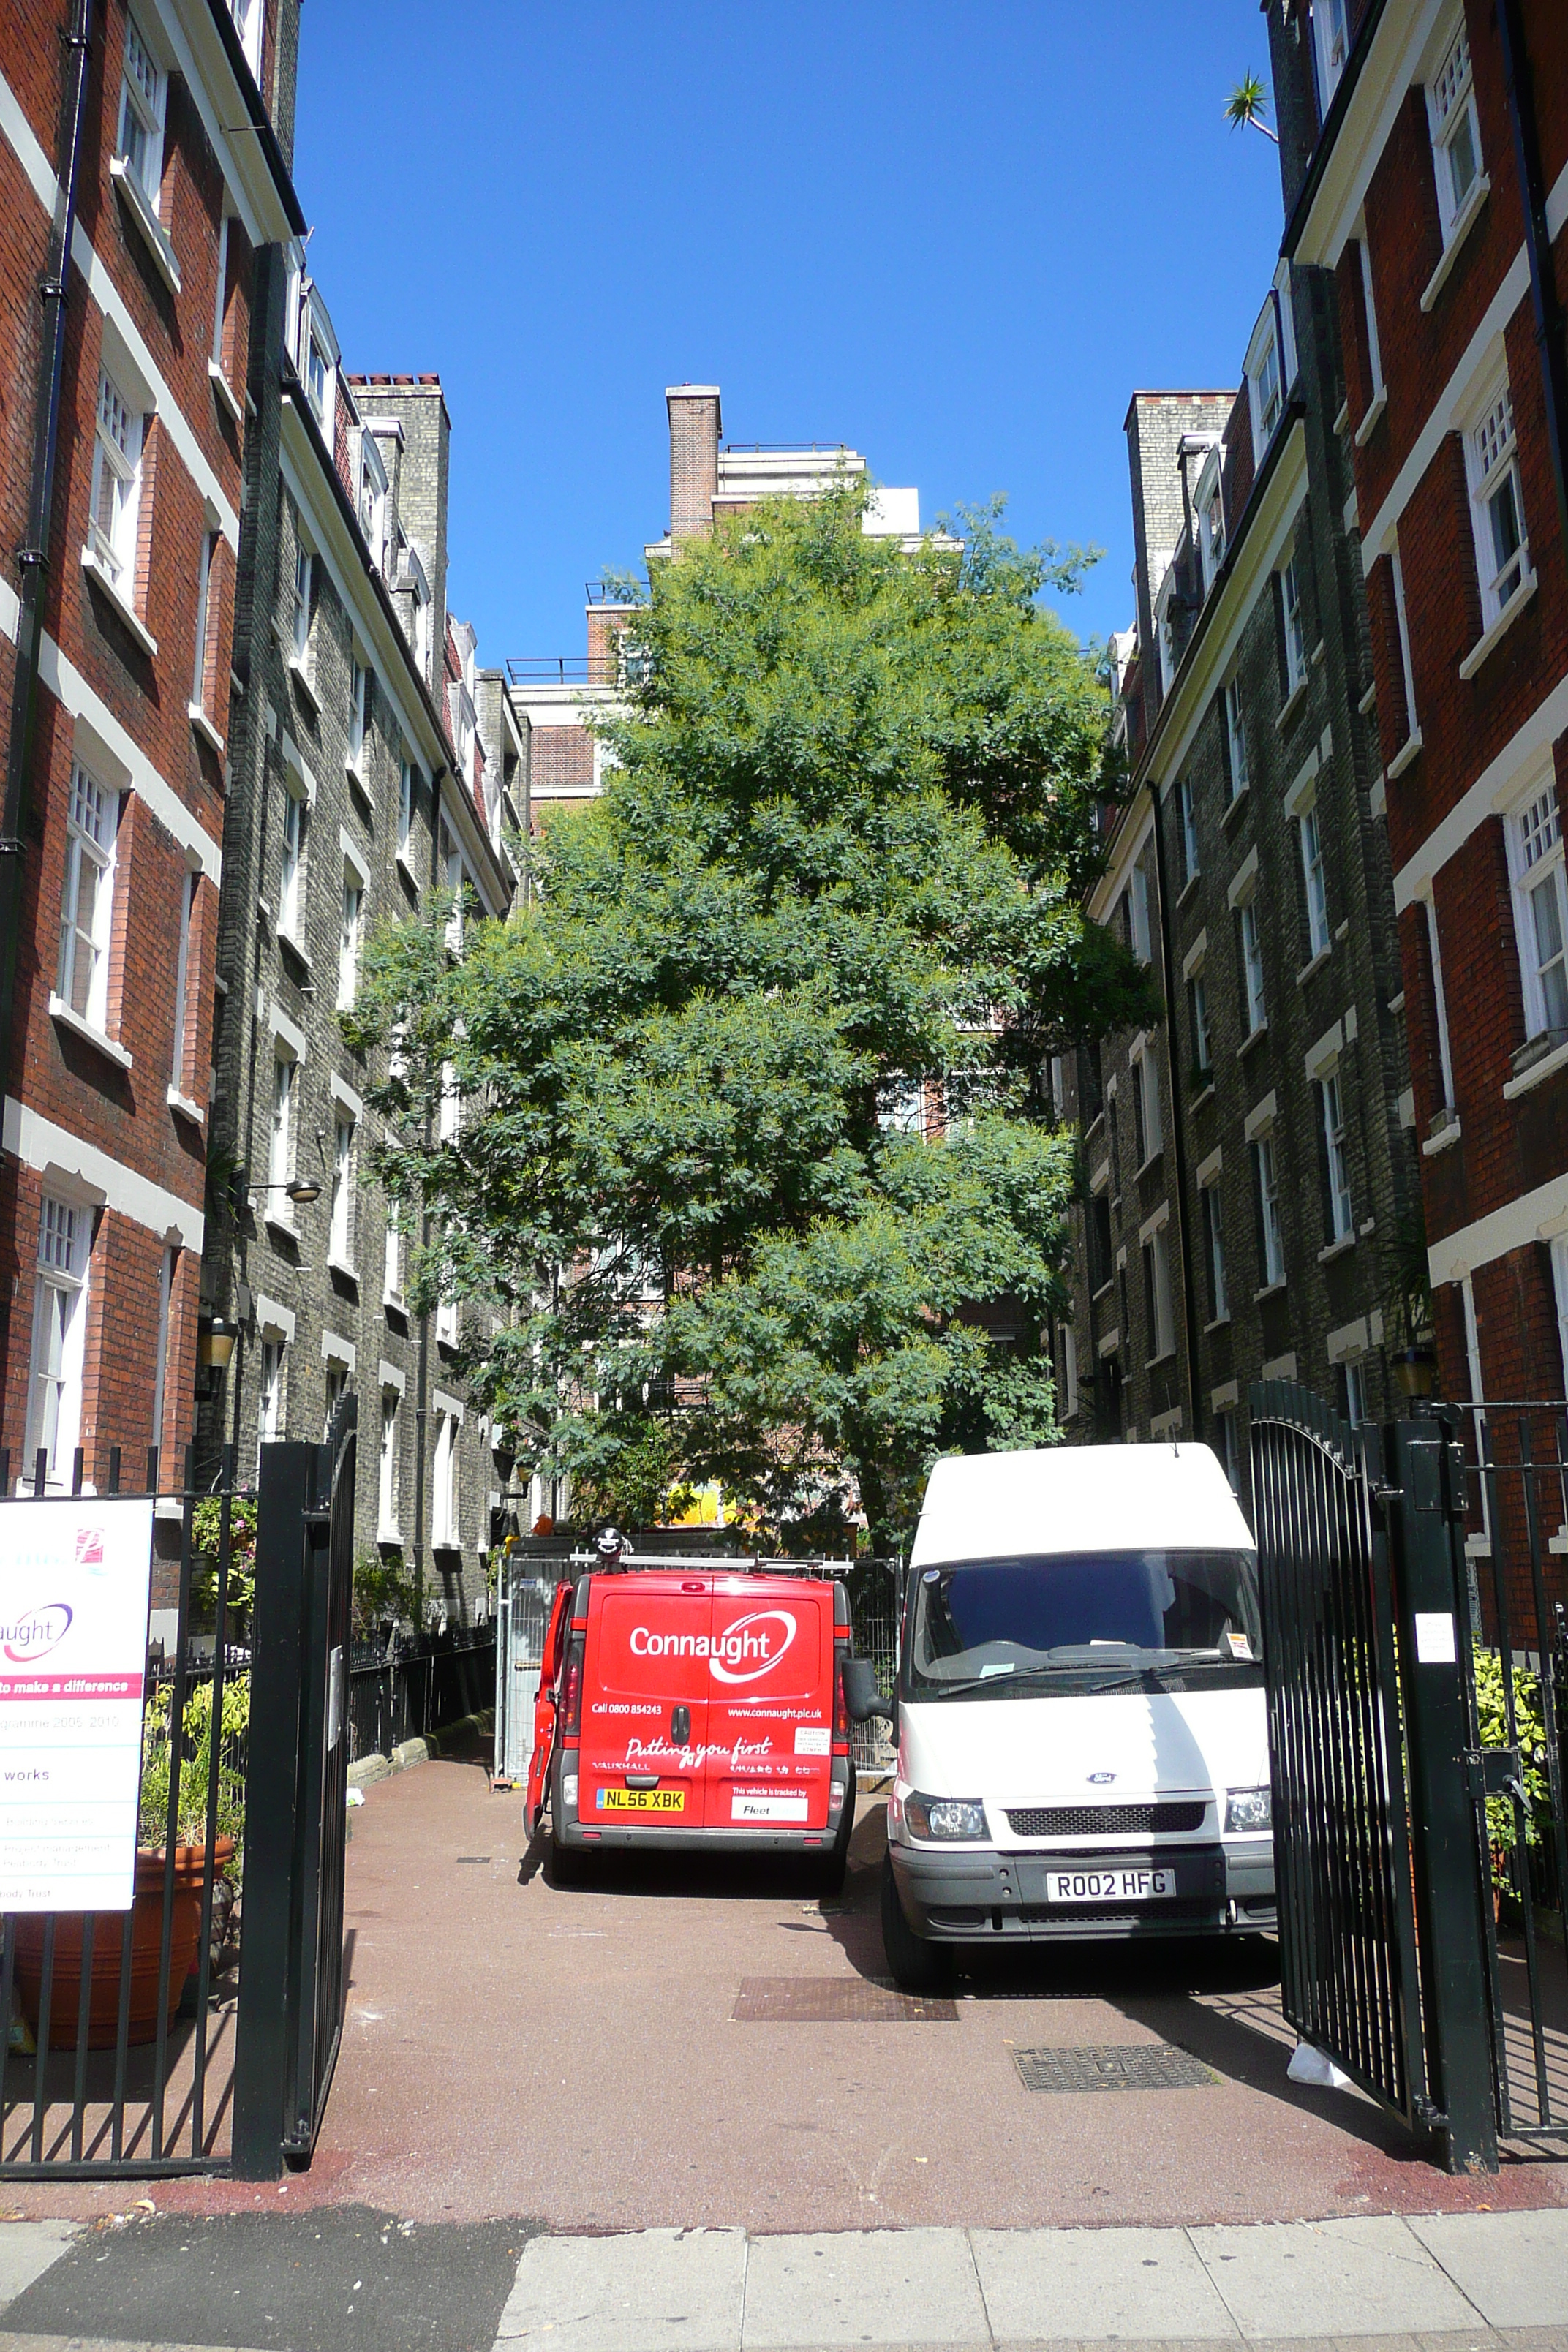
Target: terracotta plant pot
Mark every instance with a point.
(146, 1917)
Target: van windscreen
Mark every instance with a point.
(1084, 1621)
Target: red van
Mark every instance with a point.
(696, 1707)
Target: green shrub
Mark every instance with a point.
(197, 1762)
(384, 1587)
(206, 1535)
(1530, 1726)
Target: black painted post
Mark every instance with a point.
(1427, 1526)
(263, 2068)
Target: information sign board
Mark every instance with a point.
(74, 1578)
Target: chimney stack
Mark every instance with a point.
(695, 425)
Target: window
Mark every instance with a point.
(447, 1324)
(1211, 517)
(391, 1264)
(443, 1518)
(1198, 1014)
(1369, 312)
(449, 1116)
(1252, 967)
(452, 874)
(1265, 379)
(1268, 1211)
(59, 1330)
(404, 805)
(1214, 1254)
(1502, 546)
(1342, 1224)
(270, 1401)
(349, 937)
(167, 1270)
(1189, 823)
(1541, 912)
(116, 486)
(360, 697)
(373, 500)
(248, 17)
(386, 1492)
(1157, 1296)
(1135, 914)
(1352, 1391)
(1439, 1003)
(1331, 43)
(1147, 1128)
(318, 376)
(199, 675)
(86, 899)
(303, 566)
(1315, 884)
(1292, 627)
(141, 114)
(340, 1232)
(337, 1384)
(182, 985)
(1455, 134)
(1236, 739)
(290, 891)
(1402, 625)
(278, 1134)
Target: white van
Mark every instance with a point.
(1083, 1745)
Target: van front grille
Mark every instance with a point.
(1105, 1821)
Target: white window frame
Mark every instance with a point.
(279, 1209)
(1187, 813)
(1210, 504)
(1157, 1292)
(1353, 1368)
(183, 984)
(1369, 312)
(1236, 739)
(1402, 626)
(337, 1373)
(249, 21)
(448, 1322)
(387, 1466)
(340, 1222)
(392, 1257)
(92, 833)
(1151, 1125)
(350, 930)
(359, 707)
(1341, 1212)
(58, 1355)
(116, 487)
(1559, 1300)
(143, 90)
(1314, 880)
(272, 1397)
(1292, 625)
(1331, 48)
(373, 493)
(168, 1273)
(1214, 1251)
(1138, 903)
(455, 879)
(1268, 1181)
(1253, 988)
(1199, 1014)
(1492, 468)
(1265, 379)
(1536, 870)
(292, 866)
(404, 805)
(1439, 1002)
(1455, 125)
(445, 1519)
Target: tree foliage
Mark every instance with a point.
(841, 850)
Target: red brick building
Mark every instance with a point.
(1433, 180)
(149, 144)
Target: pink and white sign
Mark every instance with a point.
(74, 1579)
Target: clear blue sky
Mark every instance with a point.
(956, 236)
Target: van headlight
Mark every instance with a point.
(944, 1817)
(1249, 1808)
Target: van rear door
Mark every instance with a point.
(645, 1701)
(770, 1716)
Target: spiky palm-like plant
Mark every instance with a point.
(1248, 102)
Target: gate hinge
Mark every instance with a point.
(1425, 2112)
(321, 1517)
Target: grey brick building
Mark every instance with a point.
(1248, 1165)
(360, 781)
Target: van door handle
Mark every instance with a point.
(680, 1725)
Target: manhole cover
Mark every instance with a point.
(1124, 2066)
(834, 2000)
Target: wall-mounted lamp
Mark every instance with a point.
(215, 1338)
(1415, 1369)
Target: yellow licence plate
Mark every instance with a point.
(642, 1801)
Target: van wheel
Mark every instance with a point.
(569, 1866)
(917, 1964)
(832, 1869)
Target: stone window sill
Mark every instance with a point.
(1269, 1290)
(205, 727)
(1443, 1138)
(1320, 653)
(1500, 628)
(1253, 1037)
(69, 1018)
(1464, 221)
(1310, 969)
(185, 1106)
(1238, 800)
(1292, 704)
(1374, 417)
(1219, 1323)
(1189, 886)
(276, 1222)
(1368, 702)
(1152, 1161)
(1104, 1290)
(154, 236)
(393, 1300)
(1109, 1341)
(225, 392)
(1406, 753)
(389, 1535)
(340, 1265)
(94, 565)
(297, 672)
(287, 939)
(1166, 1356)
(1543, 1067)
(1342, 417)
(1336, 1249)
(405, 866)
(1201, 1100)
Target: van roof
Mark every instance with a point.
(1078, 1499)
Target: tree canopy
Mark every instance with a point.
(835, 873)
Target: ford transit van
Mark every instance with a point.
(1082, 1737)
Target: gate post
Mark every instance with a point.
(263, 2067)
(1426, 1524)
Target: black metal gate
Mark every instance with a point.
(291, 1951)
(1417, 1763)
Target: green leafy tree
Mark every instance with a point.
(848, 822)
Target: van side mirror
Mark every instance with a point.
(861, 1696)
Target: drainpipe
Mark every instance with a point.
(1178, 1130)
(421, 1402)
(33, 556)
(1549, 335)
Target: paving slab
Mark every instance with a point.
(863, 2287)
(648, 2291)
(27, 2250)
(1360, 2277)
(1089, 2284)
(1513, 2266)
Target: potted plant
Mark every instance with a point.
(200, 1754)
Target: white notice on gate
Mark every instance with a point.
(73, 1653)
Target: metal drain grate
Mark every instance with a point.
(834, 2000)
(1124, 2066)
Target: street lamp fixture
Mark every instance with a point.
(299, 1189)
(1415, 1369)
(215, 1338)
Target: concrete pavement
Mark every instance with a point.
(355, 2281)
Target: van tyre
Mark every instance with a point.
(917, 1965)
(832, 1870)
